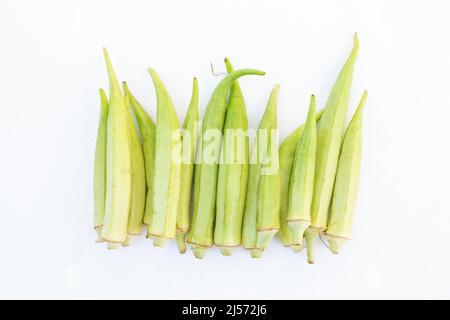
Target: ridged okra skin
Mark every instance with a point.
(287, 154)
(329, 139)
(233, 172)
(118, 165)
(167, 167)
(302, 178)
(339, 229)
(189, 143)
(261, 215)
(138, 183)
(206, 169)
(100, 167)
(147, 130)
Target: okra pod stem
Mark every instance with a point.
(329, 139)
(206, 168)
(147, 130)
(118, 165)
(100, 167)
(167, 167)
(339, 229)
(138, 183)
(233, 172)
(187, 168)
(261, 216)
(302, 178)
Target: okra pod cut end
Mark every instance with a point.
(100, 239)
(159, 242)
(298, 228)
(256, 253)
(181, 242)
(311, 234)
(263, 238)
(130, 239)
(113, 245)
(296, 248)
(199, 252)
(226, 251)
(335, 243)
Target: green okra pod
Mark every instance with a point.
(100, 167)
(302, 178)
(188, 140)
(206, 169)
(329, 139)
(147, 130)
(138, 183)
(287, 153)
(339, 228)
(167, 167)
(233, 172)
(261, 216)
(118, 165)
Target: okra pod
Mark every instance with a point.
(206, 168)
(100, 167)
(118, 165)
(138, 183)
(188, 140)
(147, 130)
(287, 153)
(233, 172)
(339, 228)
(261, 216)
(167, 167)
(302, 178)
(329, 139)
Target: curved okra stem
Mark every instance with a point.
(329, 139)
(100, 167)
(118, 165)
(147, 130)
(167, 167)
(261, 216)
(233, 172)
(138, 183)
(339, 229)
(188, 139)
(287, 153)
(206, 168)
(302, 178)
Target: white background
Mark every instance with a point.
(51, 67)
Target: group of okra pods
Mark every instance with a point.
(199, 183)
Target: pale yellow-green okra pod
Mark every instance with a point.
(167, 167)
(189, 143)
(302, 178)
(233, 172)
(287, 153)
(268, 216)
(206, 169)
(329, 139)
(339, 228)
(118, 165)
(147, 130)
(261, 215)
(138, 183)
(100, 167)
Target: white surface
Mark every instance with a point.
(51, 67)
